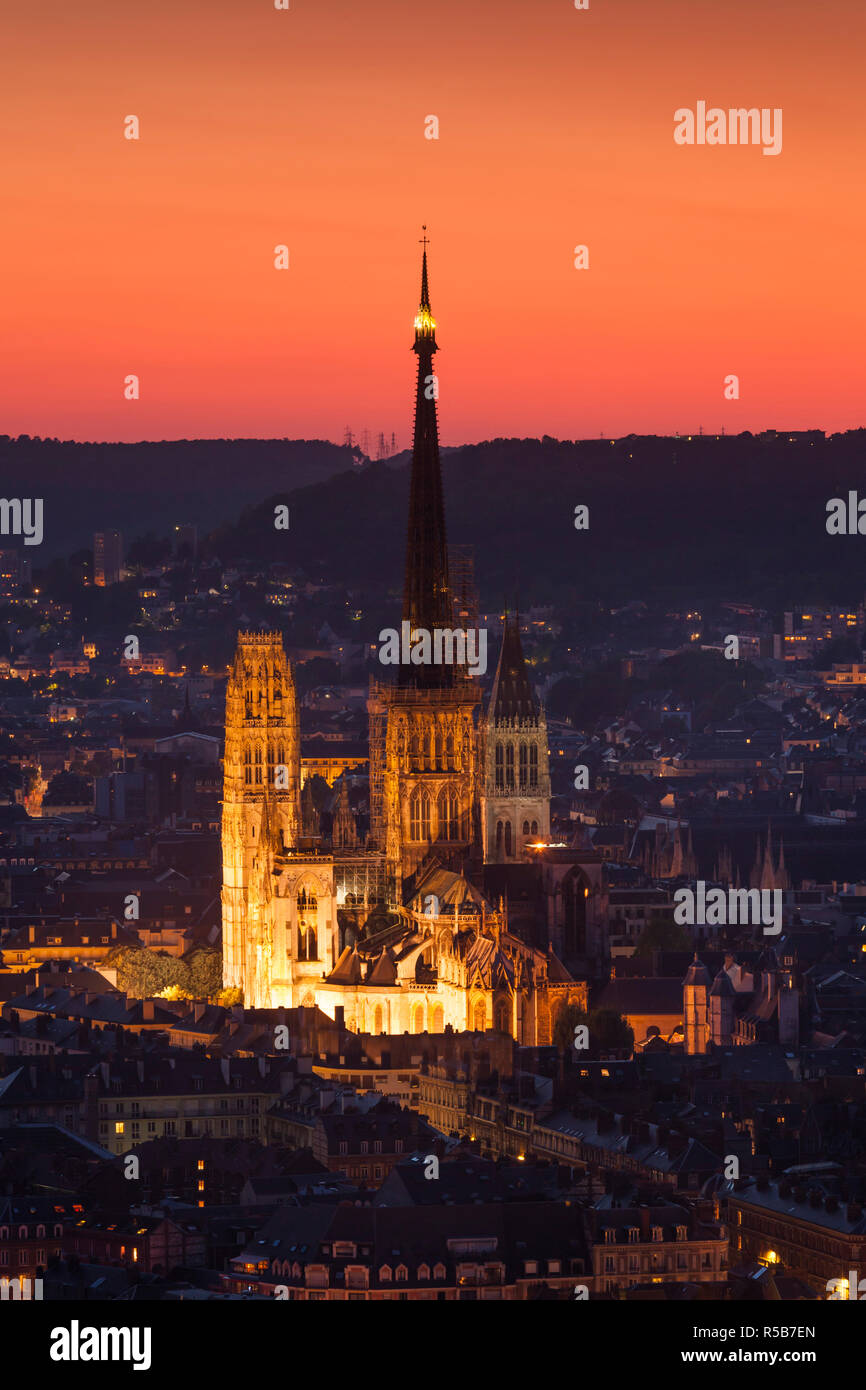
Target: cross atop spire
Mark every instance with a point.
(425, 324)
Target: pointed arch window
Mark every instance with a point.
(248, 766)
(508, 845)
(414, 750)
(524, 765)
(307, 906)
(526, 827)
(440, 747)
(533, 766)
(419, 815)
(509, 766)
(449, 815)
(500, 767)
(499, 834)
(535, 827)
(449, 752)
(307, 943)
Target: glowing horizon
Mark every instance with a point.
(262, 128)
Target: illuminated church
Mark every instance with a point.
(404, 933)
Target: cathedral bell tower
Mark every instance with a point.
(261, 806)
(515, 806)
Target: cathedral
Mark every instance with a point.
(400, 933)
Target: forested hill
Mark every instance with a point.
(152, 487)
(738, 516)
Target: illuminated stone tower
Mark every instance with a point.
(696, 1008)
(424, 789)
(261, 810)
(515, 805)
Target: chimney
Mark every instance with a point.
(340, 1016)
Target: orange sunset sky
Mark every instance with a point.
(306, 127)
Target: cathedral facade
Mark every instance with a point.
(397, 934)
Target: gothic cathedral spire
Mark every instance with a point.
(426, 597)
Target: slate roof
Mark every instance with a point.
(643, 996)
